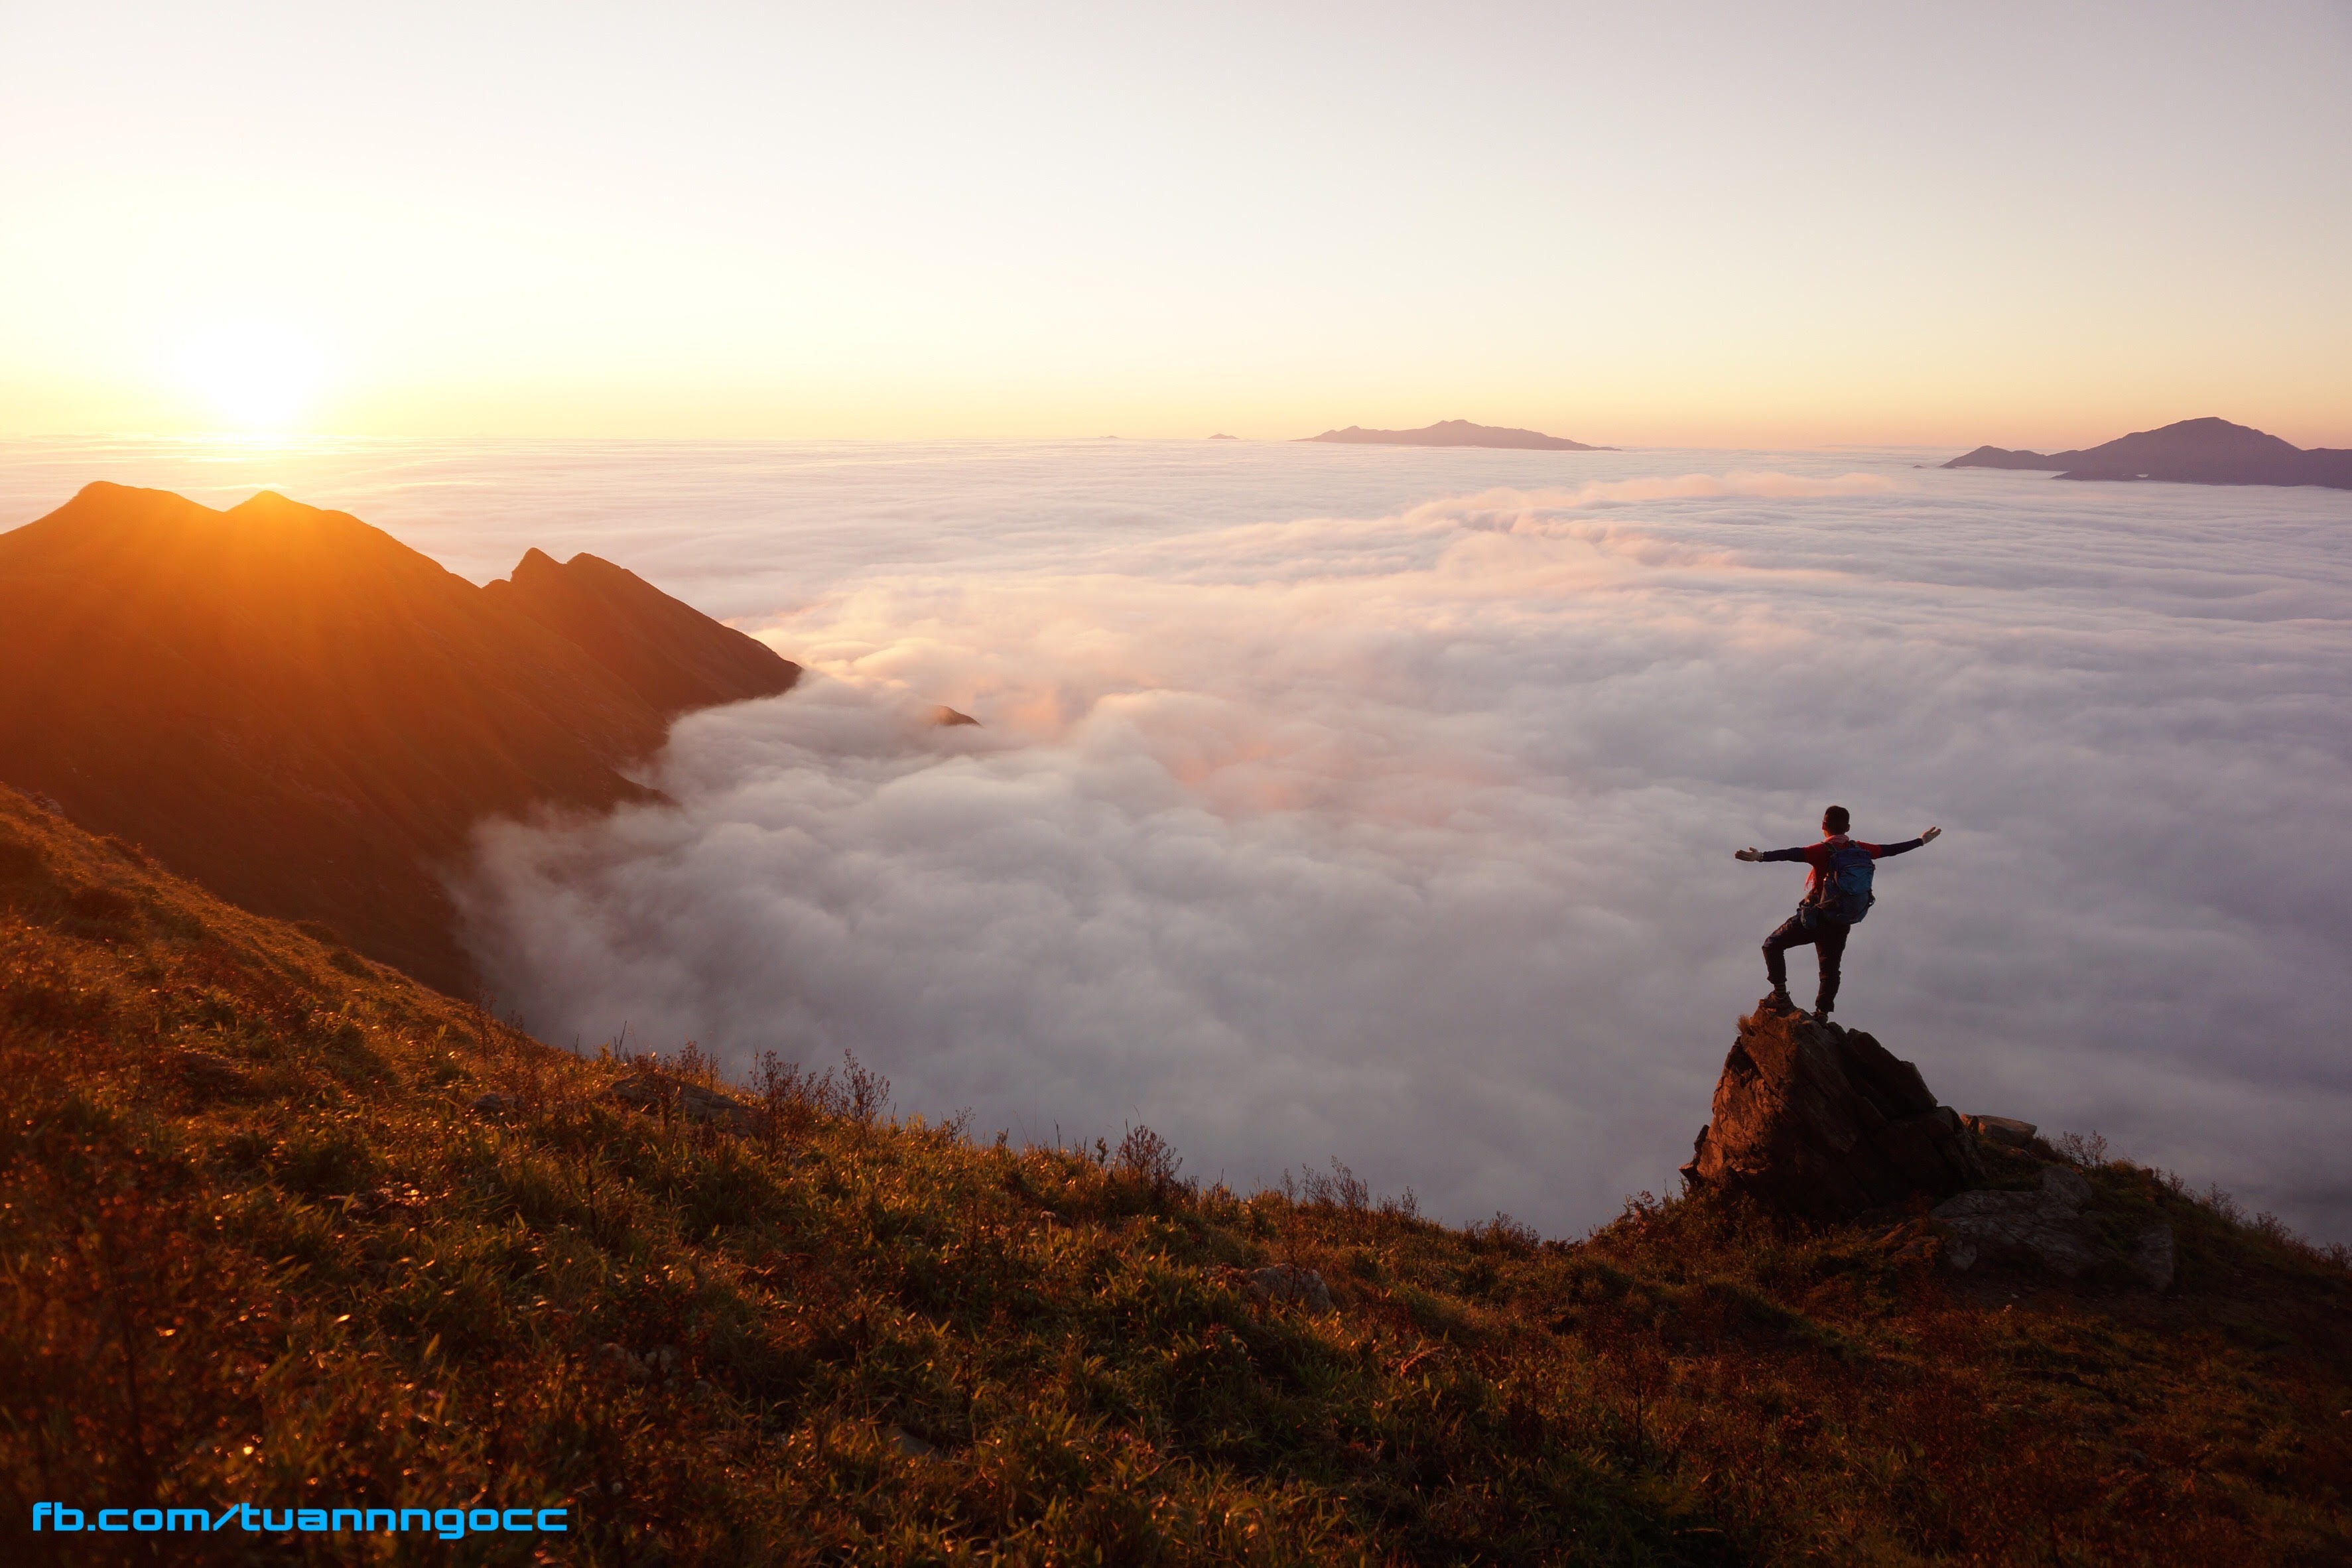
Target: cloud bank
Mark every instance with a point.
(1405, 837)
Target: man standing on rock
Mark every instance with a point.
(1837, 894)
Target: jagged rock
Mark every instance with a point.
(1914, 1242)
(1283, 1282)
(2045, 1223)
(495, 1104)
(2005, 1131)
(643, 1091)
(1815, 1118)
(2051, 1225)
(909, 1445)
(690, 1100)
(2154, 1256)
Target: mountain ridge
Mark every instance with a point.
(307, 716)
(2205, 451)
(1457, 433)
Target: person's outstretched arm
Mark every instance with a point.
(1880, 851)
(1752, 853)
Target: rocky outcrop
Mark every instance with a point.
(1817, 1120)
(2053, 1226)
(1825, 1122)
(1287, 1282)
(2005, 1131)
(2155, 1256)
(2046, 1222)
(651, 1091)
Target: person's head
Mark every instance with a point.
(1835, 820)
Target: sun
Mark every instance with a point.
(256, 375)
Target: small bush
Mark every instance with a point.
(1147, 1158)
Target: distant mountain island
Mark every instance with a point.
(1457, 433)
(2192, 452)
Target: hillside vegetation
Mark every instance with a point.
(280, 1227)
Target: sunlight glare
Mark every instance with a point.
(256, 375)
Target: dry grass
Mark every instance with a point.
(258, 1244)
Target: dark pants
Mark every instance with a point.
(1808, 928)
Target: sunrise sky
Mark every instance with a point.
(1724, 223)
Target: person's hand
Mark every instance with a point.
(1930, 835)
(1747, 853)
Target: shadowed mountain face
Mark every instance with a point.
(1457, 433)
(307, 716)
(2193, 452)
(663, 652)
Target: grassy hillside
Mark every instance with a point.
(263, 1239)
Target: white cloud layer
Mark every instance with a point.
(1405, 837)
(1313, 816)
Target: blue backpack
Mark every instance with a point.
(1844, 886)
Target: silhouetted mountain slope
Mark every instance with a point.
(1456, 433)
(663, 651)
(306, 715)
(2193, 452)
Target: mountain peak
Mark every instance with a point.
(671, 657)
(268, 501)
(2203, 451)
(1457, 433)
(299, 710)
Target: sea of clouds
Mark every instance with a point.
(1380, 803)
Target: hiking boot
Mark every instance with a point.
(1820, 1015)
(1780, 1002)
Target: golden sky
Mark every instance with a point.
(1706, 224)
